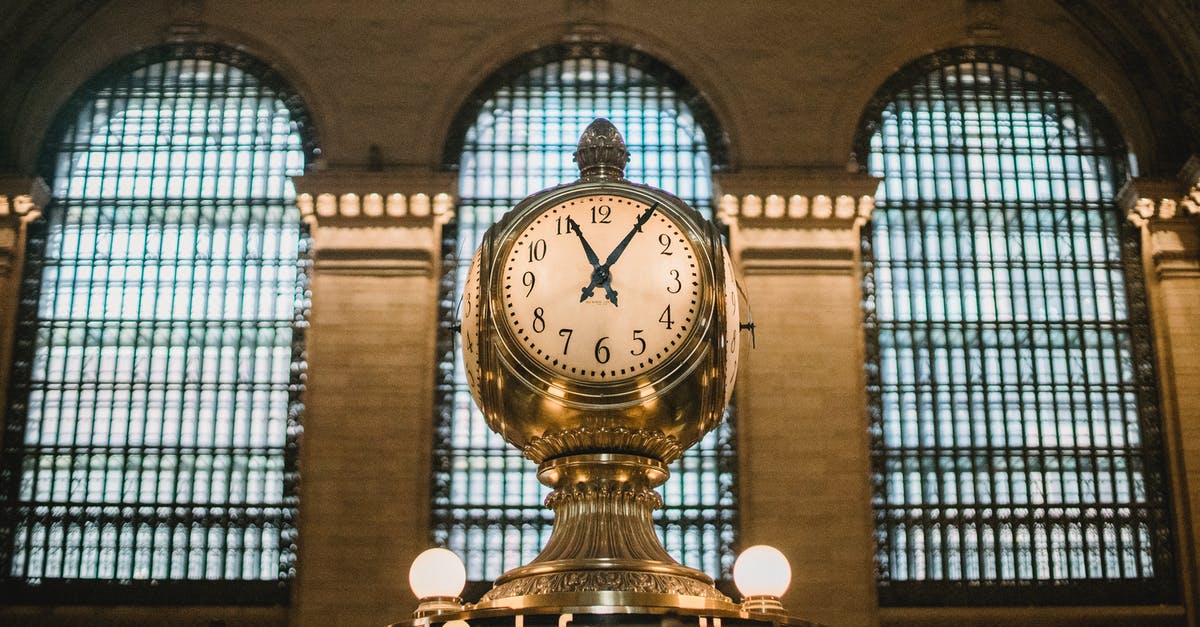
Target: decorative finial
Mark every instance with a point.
(601, 152)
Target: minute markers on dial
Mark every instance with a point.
(584, 338)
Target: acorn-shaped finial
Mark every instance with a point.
(601, 152)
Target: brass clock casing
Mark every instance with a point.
(546, 412)
(602, 438)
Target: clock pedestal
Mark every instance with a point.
(603, 549)
(602, 391)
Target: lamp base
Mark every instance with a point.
(433, 606)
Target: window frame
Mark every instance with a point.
(1080, 591)
(108, 592)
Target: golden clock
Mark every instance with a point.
(598, 307)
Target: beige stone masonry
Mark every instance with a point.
(366, 450)
(1168, 212)
(805, 478)
(21, 200)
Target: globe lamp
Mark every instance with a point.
(437, 578)
(762, 574)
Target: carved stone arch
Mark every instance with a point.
(701, 109)
(265, 74)
(917, 70)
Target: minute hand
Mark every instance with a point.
(637, 228)
(602, 274)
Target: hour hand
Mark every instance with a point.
(587, 248)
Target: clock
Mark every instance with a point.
(605, 309)
(601, 287)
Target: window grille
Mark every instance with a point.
(516, 137)
(1016, 439)
(154, 401)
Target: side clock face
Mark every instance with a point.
(600, 288)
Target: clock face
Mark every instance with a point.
(600, 288)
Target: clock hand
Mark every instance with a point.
(599, 275)
(587, 248)
(602, 274)
(637, 228)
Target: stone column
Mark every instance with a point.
(21, 201)
(1168, 212)
(802, 409)
(366, 450)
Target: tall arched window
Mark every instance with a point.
(516, 136)
(1014, 413)
(150, 450)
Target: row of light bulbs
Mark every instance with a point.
(761, 573)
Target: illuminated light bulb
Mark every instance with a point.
(437, 577)
(762, 574)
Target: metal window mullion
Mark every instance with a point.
(1057, 389)
(247, 268)
(210, 92)
(145, 86)
(122, 92)
(968, 266)
(912, 456)
(930, 390)
(994, 453)
(188, 98)
(1105, 386)
(56, 216)
(1065, 205)
(140, 323)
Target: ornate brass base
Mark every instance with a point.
(603, 549)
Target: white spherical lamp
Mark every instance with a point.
(437, 577)
(762, 574)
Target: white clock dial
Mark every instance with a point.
(600, 288)
(469, 325)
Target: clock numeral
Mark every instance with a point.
(674, 276)
(537, 251)
(466, 306)
(665, 240)
(528, 280)
(642, 348)
(567, 343)
(602, 353)
(665, 318)
(604, 212)
(559, 221)
(539, 323)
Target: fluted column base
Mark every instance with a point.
(603, 550)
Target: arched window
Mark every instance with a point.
(1014, 413)
(516, 136)
(154, 401)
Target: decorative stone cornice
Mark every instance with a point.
(1168, 211)
(821, 198)
(796, 220)
(350, 210)
(21, 200)
(796, 211)
(22, 197)
(361, 224)
(1151, 199)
